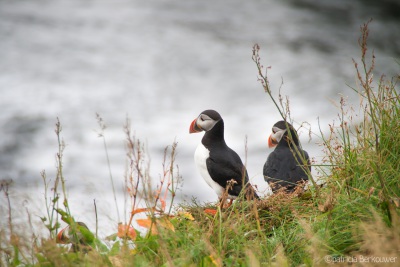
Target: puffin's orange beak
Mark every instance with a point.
(272, 141)
(194, 128)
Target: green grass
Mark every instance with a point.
(355, 214)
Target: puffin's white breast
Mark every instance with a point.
(200, 157)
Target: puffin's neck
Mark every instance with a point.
(215, 135)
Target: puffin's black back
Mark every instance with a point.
(224, 164)
(285, 165)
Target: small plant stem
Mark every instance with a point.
(111, 177)
(134, 155)
(4, 187)
(102, 135)
(97, 221)
(171, 182)
(60, 177)
(48, 205)
(220, 228)
(264, 78)
(346, 142)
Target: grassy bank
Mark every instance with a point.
(352, 219)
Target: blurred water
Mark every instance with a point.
(161, 63)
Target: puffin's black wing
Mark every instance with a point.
(223, 168)
(272, 169)
(283, 169)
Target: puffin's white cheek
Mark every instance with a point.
(206, 125)
(278, 135)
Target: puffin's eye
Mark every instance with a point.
(201, 118)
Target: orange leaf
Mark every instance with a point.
(136, 211)
(144, 222)
(159, 222)
(147, 224)
(126, 231)
(210, 211)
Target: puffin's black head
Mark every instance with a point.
(279, 131)
(205, 121)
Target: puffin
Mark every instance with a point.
(288, 165)
(219, 165)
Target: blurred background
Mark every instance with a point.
(161, 63)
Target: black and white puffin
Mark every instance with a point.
(288, 165)
(216, 162)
